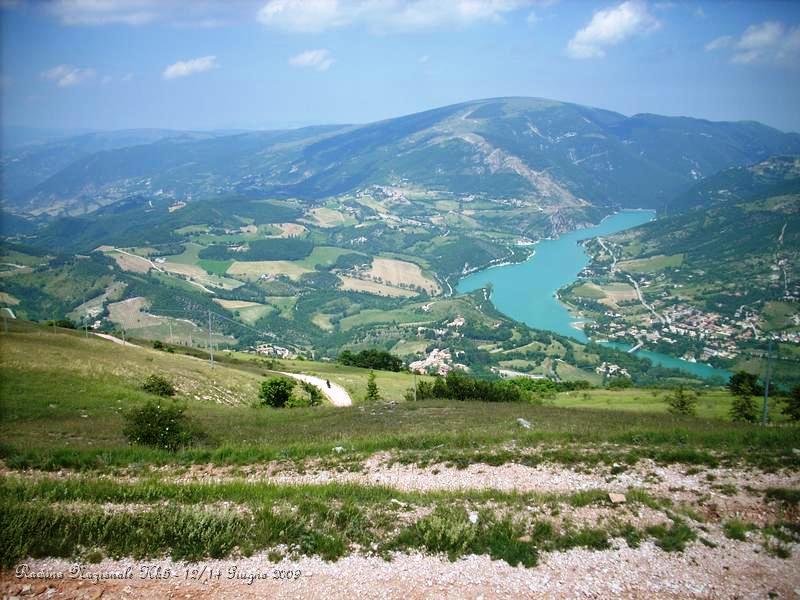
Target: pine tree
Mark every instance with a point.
(743, 409)
(682, 401)
(792, 408)
(373, 394)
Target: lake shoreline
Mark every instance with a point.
(528, 291)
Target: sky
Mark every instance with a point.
(266, 64)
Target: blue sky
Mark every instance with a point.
(113, 64)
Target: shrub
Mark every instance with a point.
(459, 386)
(157, 345)
(158, 385)
(743, 409)
(311, 397)
(371, 359)
(373, 393)
(160, 424)
(62, 323)
(743, 383)
(673, 538)
(276, 391)
(792, 404)
(736, 529)
(619, 383)
(682, 401)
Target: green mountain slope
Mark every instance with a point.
(776, 176)
(546, 152)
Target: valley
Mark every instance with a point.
(499, 341)
(376, 260)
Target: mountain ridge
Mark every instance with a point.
(548, 152)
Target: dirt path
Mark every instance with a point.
(333, 391)
(114, 339)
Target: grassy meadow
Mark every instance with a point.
(64, 397)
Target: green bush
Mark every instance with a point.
(736, 529)
(276, 391)
(682, 401)
(160, 424)
(792, 404)
(371, 359)
(673, 538)
(460, 386)
(158, 385)
(743, 409)
(743, 383)
(312, 396)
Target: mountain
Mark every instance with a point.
(776, 176)
(27, 165)
(547, 153)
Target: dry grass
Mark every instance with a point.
(291, 230)
(130, 314)
(394, 272)
(327, 217)
(8, 299)
(134, 264)
(254, 269)
(371, 287)
(235, 304)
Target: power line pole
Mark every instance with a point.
(170, 332)
(765, 407)
(210, 347)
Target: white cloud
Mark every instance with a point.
(182, 68)
(321, 60)
(611, 26)
(189, 13)
(383, 16)
(68, 75)
(770, 42)
(105, 12)
(303, 15)
(723, 41)
(761, 36)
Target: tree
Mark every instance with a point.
(743, 383)
(744, 386)
(276, 391)
(373, 394)
(792, 407)
(682, 401)
(743, 409)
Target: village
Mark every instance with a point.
(710, 335)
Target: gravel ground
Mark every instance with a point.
(732, 570)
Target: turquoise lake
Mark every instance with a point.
(527, 291)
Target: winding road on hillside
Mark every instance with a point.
(335, 393)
